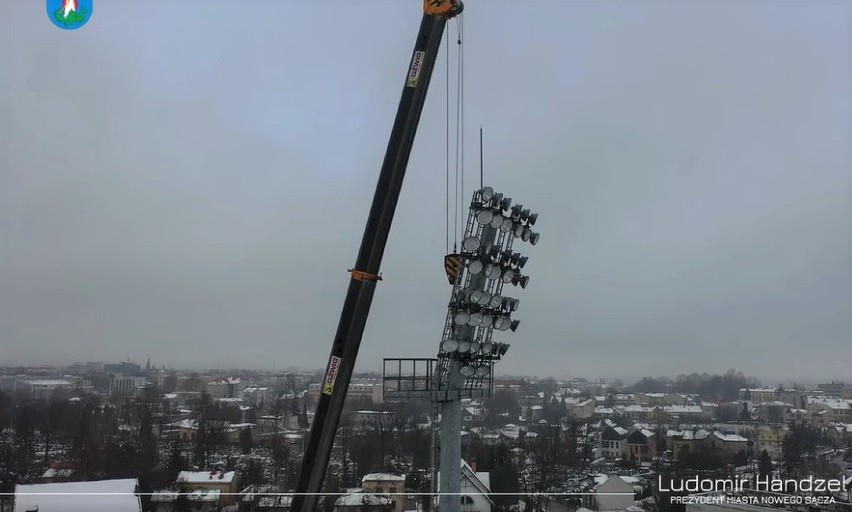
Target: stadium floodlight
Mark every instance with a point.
(492, 271)
(476, 296)
(534, 238)
(484, 216)
(495, 301)
(505, 203)
(496, 220)
(508, 275)
(519, 230)
(526, 234)
(482, 371)
(514, 325)
(532, 218)
(516, 211)
(475, 266)
(475, 320)
(486, 194)
(450, 345)
(502, 323)
(462, 318)
(504, 347)
(474, 347)
(487, 348)
(525, 214)
(520, 280)
(507, 224)
(467, 371)
(511, 304)
(522, 260)
(486, 321)
(464, 347)
(471, 244)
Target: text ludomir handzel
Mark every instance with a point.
(761, 483)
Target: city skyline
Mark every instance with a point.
(695, 198)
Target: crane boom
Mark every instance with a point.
(365, 274)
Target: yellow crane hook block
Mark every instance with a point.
(442, 7)
(453, 266)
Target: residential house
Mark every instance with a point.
(641, 445)
(613, 494)
(580, 408)
(199, 500)
(224, 482)
(264, 498)
(385, 483)
(363, 502)
(475, 487)
(832, 409)
(613, 442)
(226, 387)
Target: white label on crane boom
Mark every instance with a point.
(414, 71)
(331, 375)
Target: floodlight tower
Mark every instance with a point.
(477, 307)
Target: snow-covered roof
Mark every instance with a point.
(48, 382)
(98, 496)
(203, 477)
(197, 495)
(360, 499)
(382, 477)
(836, 404)
(224, 381)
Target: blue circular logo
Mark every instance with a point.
(69, 14)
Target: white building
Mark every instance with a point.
(98, 496)
(614, 494)
(475, 487)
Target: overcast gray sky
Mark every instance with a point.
(190, 180)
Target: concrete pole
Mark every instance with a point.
(451, 416)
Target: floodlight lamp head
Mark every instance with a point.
(514, 325)
(507, 225)
(467, 371)
(519, 230)
(471, 244)
(450, 345)
(508, 275)
(484, 216)
(525, 214)
(487, 320)
(495, 301)
(487, 348)
(523, 261)
(492, 271)
(504, 347)
(475, 320)
(474, 347)
(461, 318)
(486, 194)
(475, 267)
(497, 198)
(496, 221)
(464, 347)
(526, 234)
(482, 372)
(534, 238)
(516, 210)
(505, 203)
(532, 218)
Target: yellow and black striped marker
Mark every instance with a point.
(453, 266)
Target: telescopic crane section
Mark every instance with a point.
(365, 274)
